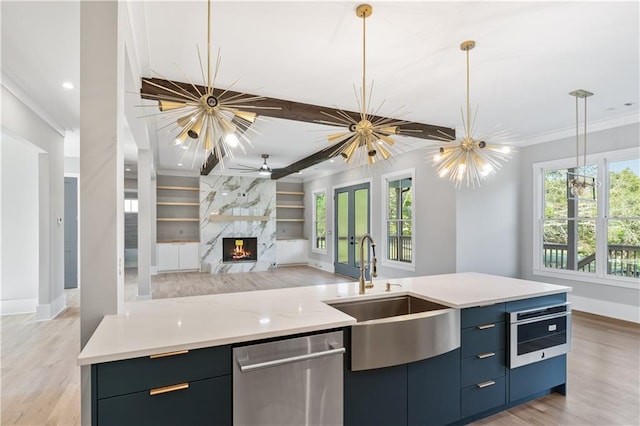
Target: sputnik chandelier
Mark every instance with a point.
(580, 184)
(367, 139)
(473, 159)
(206, 122)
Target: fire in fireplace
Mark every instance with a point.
(239, 249)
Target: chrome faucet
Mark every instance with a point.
(374, 270)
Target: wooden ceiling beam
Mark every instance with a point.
(296, 111)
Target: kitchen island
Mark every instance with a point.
(209, 326)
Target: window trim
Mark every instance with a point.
(602, 160)
(407, 173)
(313, 220)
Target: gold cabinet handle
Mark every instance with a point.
(486, 384)
(486, 355)
(185, 351)
(166, 389)
(484, 327)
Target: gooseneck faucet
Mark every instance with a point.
(374, 270)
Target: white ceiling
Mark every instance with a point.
(529, 55)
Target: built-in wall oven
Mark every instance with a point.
(540, 333)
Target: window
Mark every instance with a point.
(320, 221)
(130, 206)
(594, 235)
(399, 219)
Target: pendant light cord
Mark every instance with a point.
(577, 139)
(364, 66)
(209, 48)
(468, 105)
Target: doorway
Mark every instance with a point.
(351, 223)
(70, 232)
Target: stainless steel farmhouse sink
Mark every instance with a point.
(398, 330)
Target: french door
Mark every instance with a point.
(351, 223)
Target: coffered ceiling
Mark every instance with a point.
(529, 56)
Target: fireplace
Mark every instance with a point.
(239, 250)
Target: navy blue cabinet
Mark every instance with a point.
(186, 387)
(375, 397)
(483, 341)
(434, 390)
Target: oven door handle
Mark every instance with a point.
(542, 318)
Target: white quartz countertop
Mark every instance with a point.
(166, 325)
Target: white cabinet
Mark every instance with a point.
(292, 251)
(178, 256)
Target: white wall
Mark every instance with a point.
(617, 302)
(21, 123)
(487, 224)
(20, 227)
(434, 222)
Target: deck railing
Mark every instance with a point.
(623, 261)
(400, 248)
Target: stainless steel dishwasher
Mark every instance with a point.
(289, 382)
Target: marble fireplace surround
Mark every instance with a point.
(237, 206)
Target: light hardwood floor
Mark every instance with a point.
(40, 382)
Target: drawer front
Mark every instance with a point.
(482, 396)
(487, 337)
(204, 402)
(483, 367)
(144, 373)
(482, 315)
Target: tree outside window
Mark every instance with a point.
(598, 234)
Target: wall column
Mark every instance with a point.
(144, 224)
(101, 173)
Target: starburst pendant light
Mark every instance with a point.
(206, 123)
(581, 185)
(473, 159)
(366, 139)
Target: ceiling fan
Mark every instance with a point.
(263, 170)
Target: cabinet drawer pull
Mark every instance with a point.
(166, 389)
(486, 355)
(486, 384)
(484, 327)
(186, 351)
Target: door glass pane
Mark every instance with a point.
(342, 255)
(361, 214)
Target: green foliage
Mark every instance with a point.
(624, 211)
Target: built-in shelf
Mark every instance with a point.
(229, 218)
(176, 203)
(178, 219)
(289, 211)
(178, 188)
(177, 241)
(289, 206)
(289, 193)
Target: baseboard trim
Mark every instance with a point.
(620, 311)
(18, 306)
(50, 311)
(324, 266)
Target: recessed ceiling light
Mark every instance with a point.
(68, 85)
(127, 169)
(179, 164)
(184, 147)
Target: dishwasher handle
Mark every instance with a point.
(289, 360)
